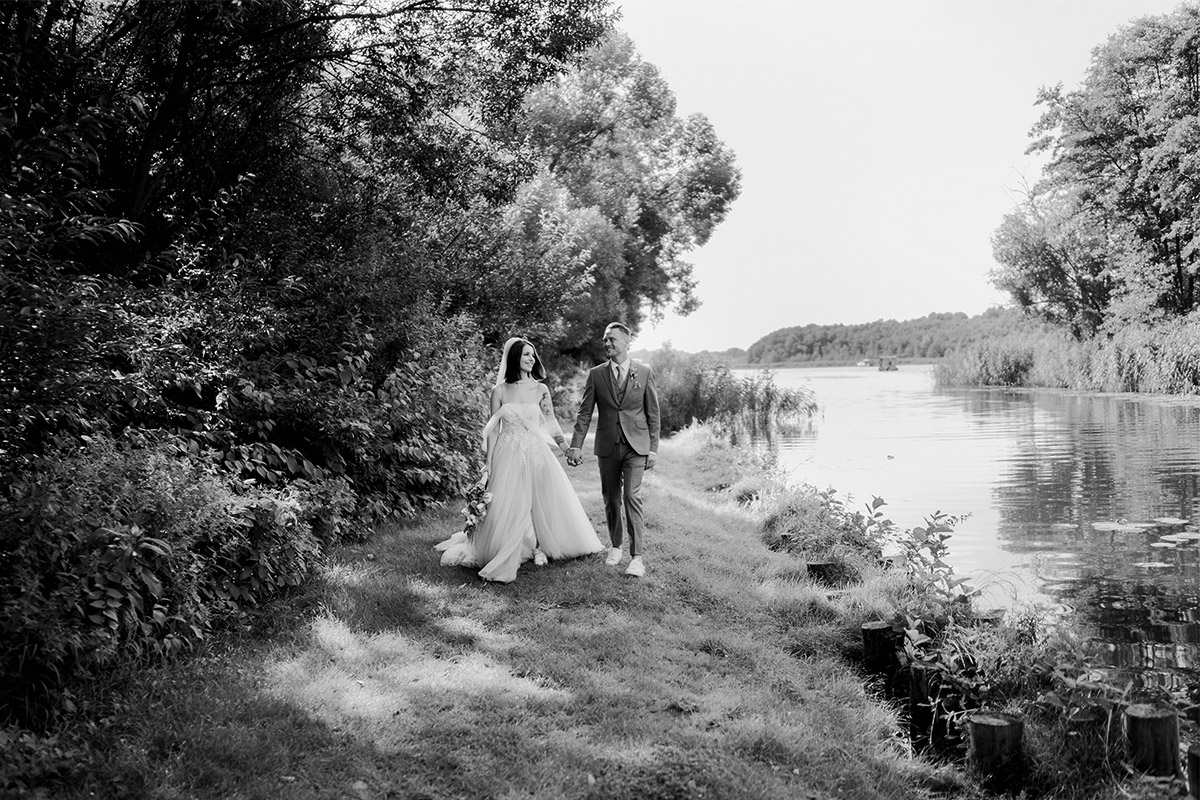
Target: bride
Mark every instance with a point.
(534, 512)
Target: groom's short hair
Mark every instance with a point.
(621, 326)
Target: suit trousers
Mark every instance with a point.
(621, 484)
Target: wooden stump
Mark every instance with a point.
(921, 685)
(879, 648)
(880, 653)
(1193, 771)
(1152, 735)
(826, 573)
(995, 749)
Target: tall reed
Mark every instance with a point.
(1159, 359)
(692, 389)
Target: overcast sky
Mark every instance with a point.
(880, 142)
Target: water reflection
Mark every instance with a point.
(1054, 483)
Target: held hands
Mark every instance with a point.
(574, 456)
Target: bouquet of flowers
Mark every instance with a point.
(478, 500)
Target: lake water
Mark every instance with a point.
(1054, 483)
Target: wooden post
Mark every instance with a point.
(1152, 735)
(995, 749)
(920, 703)
(825, 573)
(1193, 770)
(879, 648)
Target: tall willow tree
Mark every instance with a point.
(1117, 234)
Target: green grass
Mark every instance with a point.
(722, 674)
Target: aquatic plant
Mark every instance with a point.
(692, 389)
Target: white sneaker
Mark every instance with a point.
(539, 558)
(636, 568)
(614, 556)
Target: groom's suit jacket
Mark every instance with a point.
(632, 412)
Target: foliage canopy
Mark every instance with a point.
(1108, 237)
(264, 247)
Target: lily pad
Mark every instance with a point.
(1153, 565)
(1170, 521)
(1163, 544)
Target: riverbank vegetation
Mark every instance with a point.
(256, 260)
(1103, 246)
(945, 656)
(1160, 359)
(394, 676)
(694, 389)
(728, 671)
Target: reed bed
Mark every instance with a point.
(1159, 359)
(693, 390)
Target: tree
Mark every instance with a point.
(220, 214)
(1123, 148)
(1055, 262)
(607, 131)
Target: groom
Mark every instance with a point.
(626, 439)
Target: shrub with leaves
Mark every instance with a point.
(115, 552)
(816, 523)
(938, 597)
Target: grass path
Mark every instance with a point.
(715, 676)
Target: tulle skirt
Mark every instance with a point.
(533, 505)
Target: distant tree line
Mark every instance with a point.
(929, 337)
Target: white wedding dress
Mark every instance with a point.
(533, 503)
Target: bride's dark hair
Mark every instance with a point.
(512, 364)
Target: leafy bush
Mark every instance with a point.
(29, 762)
(112, 552)
(816, 525)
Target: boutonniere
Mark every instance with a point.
(633, 377)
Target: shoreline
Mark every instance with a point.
(719, 674)
(725, 672)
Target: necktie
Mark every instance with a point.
(620, 382)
